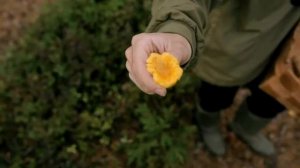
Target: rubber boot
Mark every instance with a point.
(247, 127)
(208, 123)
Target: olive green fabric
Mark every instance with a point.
(231, 39)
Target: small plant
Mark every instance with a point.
(163, 140)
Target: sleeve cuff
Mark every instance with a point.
(181, 29)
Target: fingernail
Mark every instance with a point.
(161, 92)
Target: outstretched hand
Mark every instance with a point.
(142, 45)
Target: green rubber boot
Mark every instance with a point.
(247, 127)
(208, 124)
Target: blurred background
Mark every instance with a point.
(66, 100)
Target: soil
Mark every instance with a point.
(284, 131)
(15, 17)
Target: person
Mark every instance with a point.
(228, 44)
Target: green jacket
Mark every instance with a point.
(231, 39)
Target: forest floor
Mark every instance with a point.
(17, 15)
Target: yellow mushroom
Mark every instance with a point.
(164, 68)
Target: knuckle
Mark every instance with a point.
(130, 77)
(128, 66)
(137, 38)
(133, 80)
(128, 53)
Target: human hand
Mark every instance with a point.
(142, 45)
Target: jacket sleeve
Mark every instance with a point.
(188, 18)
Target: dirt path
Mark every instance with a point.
(15, 16)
